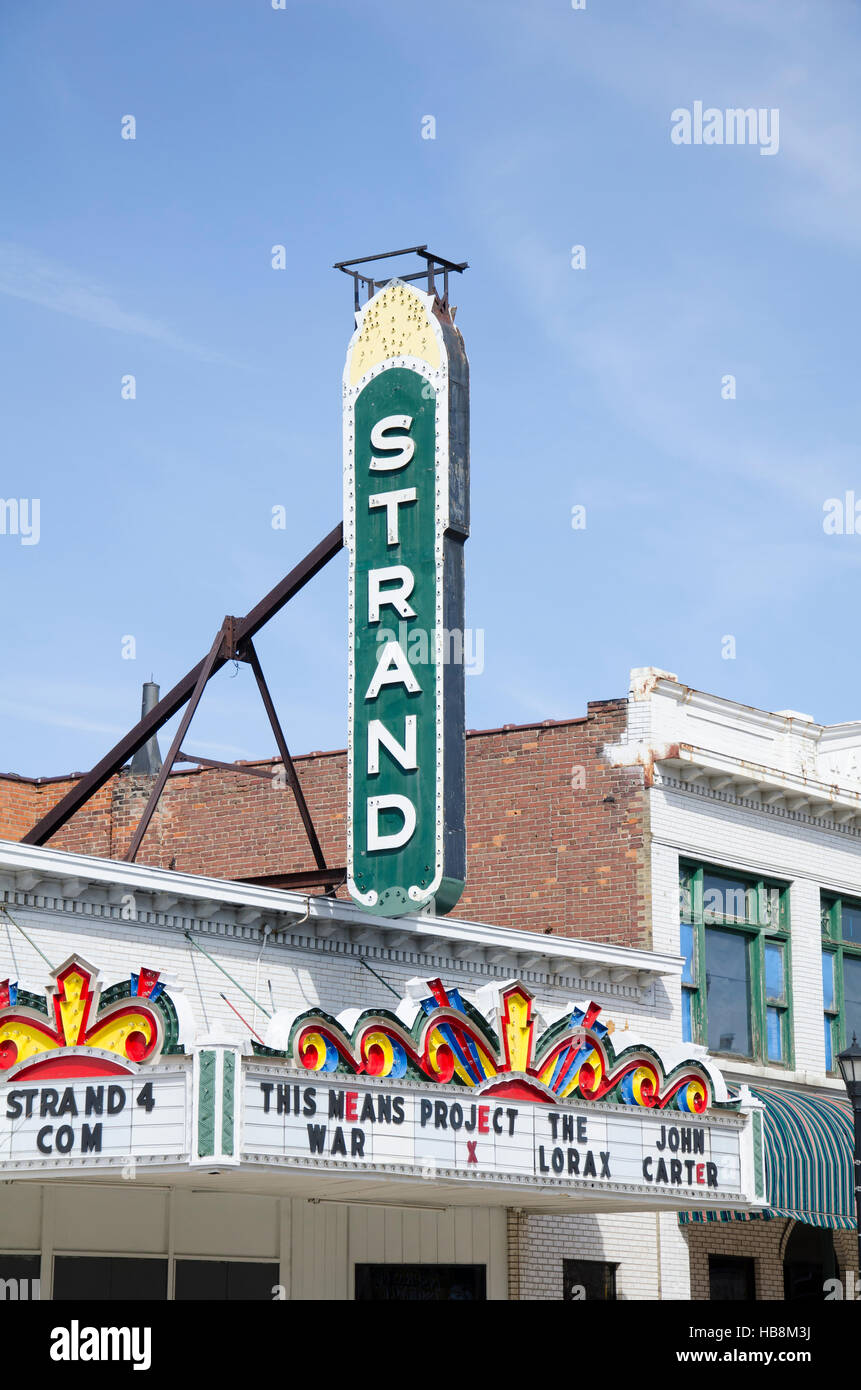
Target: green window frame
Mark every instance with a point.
(841, 957)
(734, 933)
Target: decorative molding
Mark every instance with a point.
(500, 1045)
(830, 823)
(81, 1030)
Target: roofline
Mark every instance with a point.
(691, 695)
(619, 701)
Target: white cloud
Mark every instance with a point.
(26, 275)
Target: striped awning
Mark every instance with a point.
(808, 1144)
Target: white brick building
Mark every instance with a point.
(766, 807)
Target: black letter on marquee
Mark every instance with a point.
(91, 1139)
(94, 1103)
(68, 1105)
(116, 1100)
(48, 1103)
(316, 1138)
(65, 1139)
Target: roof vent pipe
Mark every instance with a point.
(147, 760)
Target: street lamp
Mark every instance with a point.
(850, 1070)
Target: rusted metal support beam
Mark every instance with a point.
(221, 643)
(249, 654)
(302, 878)
(111, 763)
(183, 757)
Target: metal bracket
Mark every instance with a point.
(433, 264)
(233, 642)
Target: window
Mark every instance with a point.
(590, 1281)
(732, 1278)
(225, 1281)
(421, 1283)
(19, 1277)
(105, 1278)
(734, 938)
(841, 974)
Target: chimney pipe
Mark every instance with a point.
(147, 760)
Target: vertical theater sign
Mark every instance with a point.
(406, 517)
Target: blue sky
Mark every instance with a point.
(599, 387)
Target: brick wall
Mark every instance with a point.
(765, 1242)
(646, 1248)
(20, 805)
(761, 1241)
(555, 834)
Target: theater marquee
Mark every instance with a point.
(411, 1132)
(487, 1096)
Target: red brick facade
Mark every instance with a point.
(555, 835)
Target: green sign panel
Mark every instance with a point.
(406, 498)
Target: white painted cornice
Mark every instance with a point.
(737, 777)
(733, 710)
(43, 871)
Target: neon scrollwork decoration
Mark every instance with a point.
(78, 1029)
(500, 1045)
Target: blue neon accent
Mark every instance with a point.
(448, 1033)
(579, 1059)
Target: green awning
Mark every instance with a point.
(808, 1161)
